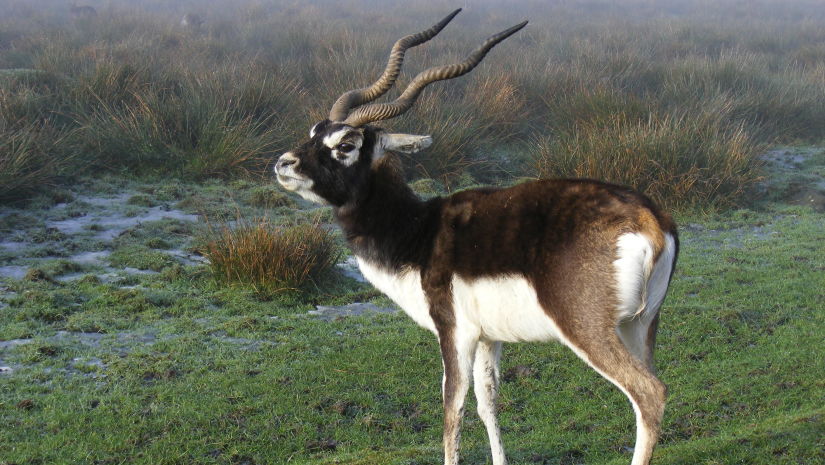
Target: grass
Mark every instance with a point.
(126, 114)
(177, 367)
(679, 161)
(132, 91)
(738, 350)
(269, 257)
(26, 164)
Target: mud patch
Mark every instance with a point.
(107, 227)
(796, 178)
(13, 271)
(807, 196)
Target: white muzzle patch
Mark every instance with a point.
(293, 181)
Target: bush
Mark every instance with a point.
(679, 161)
(28, 159)
(271, 258)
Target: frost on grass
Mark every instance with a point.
(85, 232)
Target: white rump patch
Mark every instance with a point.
(660, 278)
(635, 254)
(640, 283)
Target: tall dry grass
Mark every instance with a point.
(131, 90)
(678, 160)
(27, 165)
(271, 258)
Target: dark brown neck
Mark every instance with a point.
(388, 224)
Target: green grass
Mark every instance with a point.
(131, 91)
(174, 366)
(186, 369)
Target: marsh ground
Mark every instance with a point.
(128, 143)
(118, 346)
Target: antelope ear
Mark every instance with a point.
(406, 143)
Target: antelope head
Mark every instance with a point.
(344, 148)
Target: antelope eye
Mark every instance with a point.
(344, 147)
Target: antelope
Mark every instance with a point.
(191, 21)
(83, 11)
(579, 261)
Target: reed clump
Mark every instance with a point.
(130, 90)
(680, 161)
(269, 257)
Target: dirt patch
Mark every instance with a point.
(349, 268)
(796, 178)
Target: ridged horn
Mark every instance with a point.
(382, 111)
(354, 98)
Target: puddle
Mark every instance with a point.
(11, 343)
(92, 340)
(786, 158)
(102, 218)
(85, 364)
(14, 246)
(326, 313)
(187, 258)
(91, 258)
(247, 344)
(100, 201)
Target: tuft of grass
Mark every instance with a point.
(27, 159)
(269, 257)
(466, 130)
(679, 161)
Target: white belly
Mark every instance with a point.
(503, 309)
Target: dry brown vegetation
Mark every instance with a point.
(651, 94)
(269, 257)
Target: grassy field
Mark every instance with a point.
(139, 322)
(142, 357)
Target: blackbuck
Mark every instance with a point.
(583, 262)
(191, 21)
(82, 11)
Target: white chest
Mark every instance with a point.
(404, 288)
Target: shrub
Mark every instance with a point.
(28, 159)
(269, 257)
(269, 196)
(679, 161)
